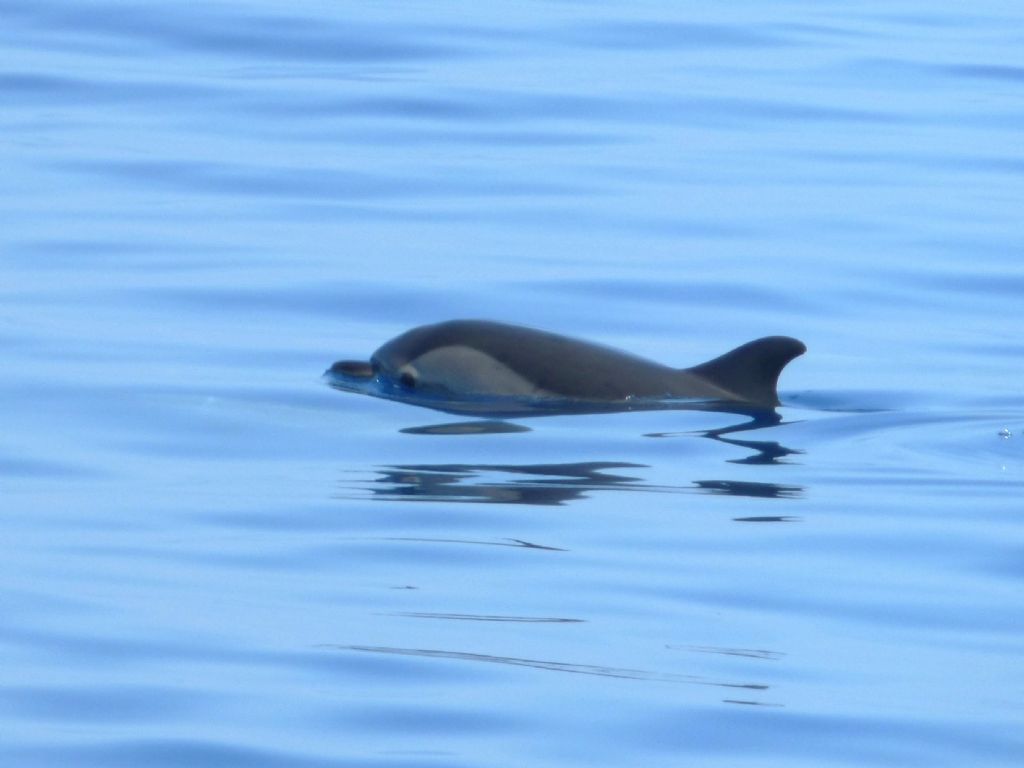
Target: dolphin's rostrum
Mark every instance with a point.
(478, 366)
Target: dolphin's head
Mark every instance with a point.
(446, 368)
(430, 363)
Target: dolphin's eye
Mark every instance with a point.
(407, 380)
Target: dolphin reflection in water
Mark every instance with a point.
(547, 484)
(480, 367)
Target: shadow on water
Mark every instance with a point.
(467, 428)
(559, 483)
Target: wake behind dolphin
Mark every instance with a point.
(483, 367)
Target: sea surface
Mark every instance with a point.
(210, 558)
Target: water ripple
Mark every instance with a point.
(551, 666)
(216, 30)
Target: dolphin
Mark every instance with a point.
(479, 366)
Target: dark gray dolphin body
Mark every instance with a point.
(467, 366)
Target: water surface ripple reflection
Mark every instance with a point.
(543, 484)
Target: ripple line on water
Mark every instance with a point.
(553, 666)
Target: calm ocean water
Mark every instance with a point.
(212, 559)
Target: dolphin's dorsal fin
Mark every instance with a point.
(751, 372)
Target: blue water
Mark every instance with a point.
(212, 559)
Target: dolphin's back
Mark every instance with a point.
(553, 364)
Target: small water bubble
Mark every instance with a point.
(1004, 433)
